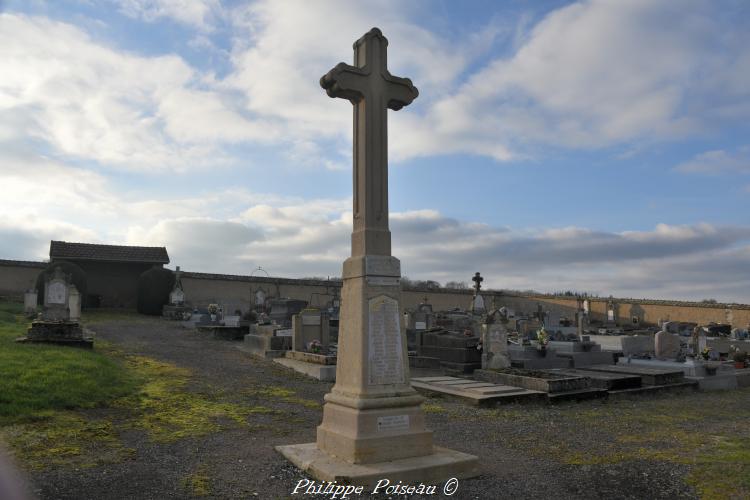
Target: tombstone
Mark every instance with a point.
(477, 302)
(637, 346)
(29, 302)
(177, 296)
(666, 345)
(260, 299)
(74, 304)
(372, 406)
(308, 326)
(58, 322)
(495, 346)
(282, 310)
(177, 309)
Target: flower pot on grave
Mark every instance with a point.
(542, 349)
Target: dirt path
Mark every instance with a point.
(526, 452)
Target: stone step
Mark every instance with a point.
(473, 392)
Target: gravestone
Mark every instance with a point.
(372, 405)
(282, 310)
(477, 301)
(495, 346)
(308, 326)
(30, 302)
(74, 304)
(637, 346)
(666, 345)
(177, 309)
(58, 321)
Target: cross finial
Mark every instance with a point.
(477, 279)
(371, 88)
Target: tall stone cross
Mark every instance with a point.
(477, 279)
(372, 90)
(373, 425)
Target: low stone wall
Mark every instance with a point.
(241, 291)
(17, 276)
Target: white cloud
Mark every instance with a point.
(718, 162)
(92, 102)
(200, 14)
(599, 73)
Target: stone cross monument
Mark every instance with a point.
(373, 406)
(477, 301)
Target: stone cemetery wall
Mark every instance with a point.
(17, 276)
(203, 288)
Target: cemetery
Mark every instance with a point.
(198, 385)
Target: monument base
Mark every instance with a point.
(68, 333)
(432, 469)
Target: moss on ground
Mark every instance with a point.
(168, 411)
(198, 484)
(282, 394)
(66, 439)
(698, 430)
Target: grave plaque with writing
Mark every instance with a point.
(393, 423)
(56, 293)
(386, 356)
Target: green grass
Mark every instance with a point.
(36, 380)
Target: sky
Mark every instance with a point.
(597, 146)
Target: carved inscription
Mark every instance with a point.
(384, 333)
(383, 281)
(56, 293)
(310, 320)
(393, 423)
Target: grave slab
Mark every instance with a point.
(649, 376)
(486, 396)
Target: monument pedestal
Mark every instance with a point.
(373, 425)
(441, 464)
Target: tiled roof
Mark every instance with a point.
(60, 250)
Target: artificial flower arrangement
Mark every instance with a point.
(314, 346)
(542, 338)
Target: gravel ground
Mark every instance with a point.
(518, 459)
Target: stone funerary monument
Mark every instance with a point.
(373, 424)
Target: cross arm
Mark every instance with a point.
(401, 92)
(344, 81)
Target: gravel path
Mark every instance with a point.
(517, 460)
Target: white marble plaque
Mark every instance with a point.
(420, 325)
(283, 333)
(383, 281)
(56, 293)
(308, 319)
(177, 297)
(384, 334)
(393, 423)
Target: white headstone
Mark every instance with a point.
(177, 297)
(74, 303)
(29, 301)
